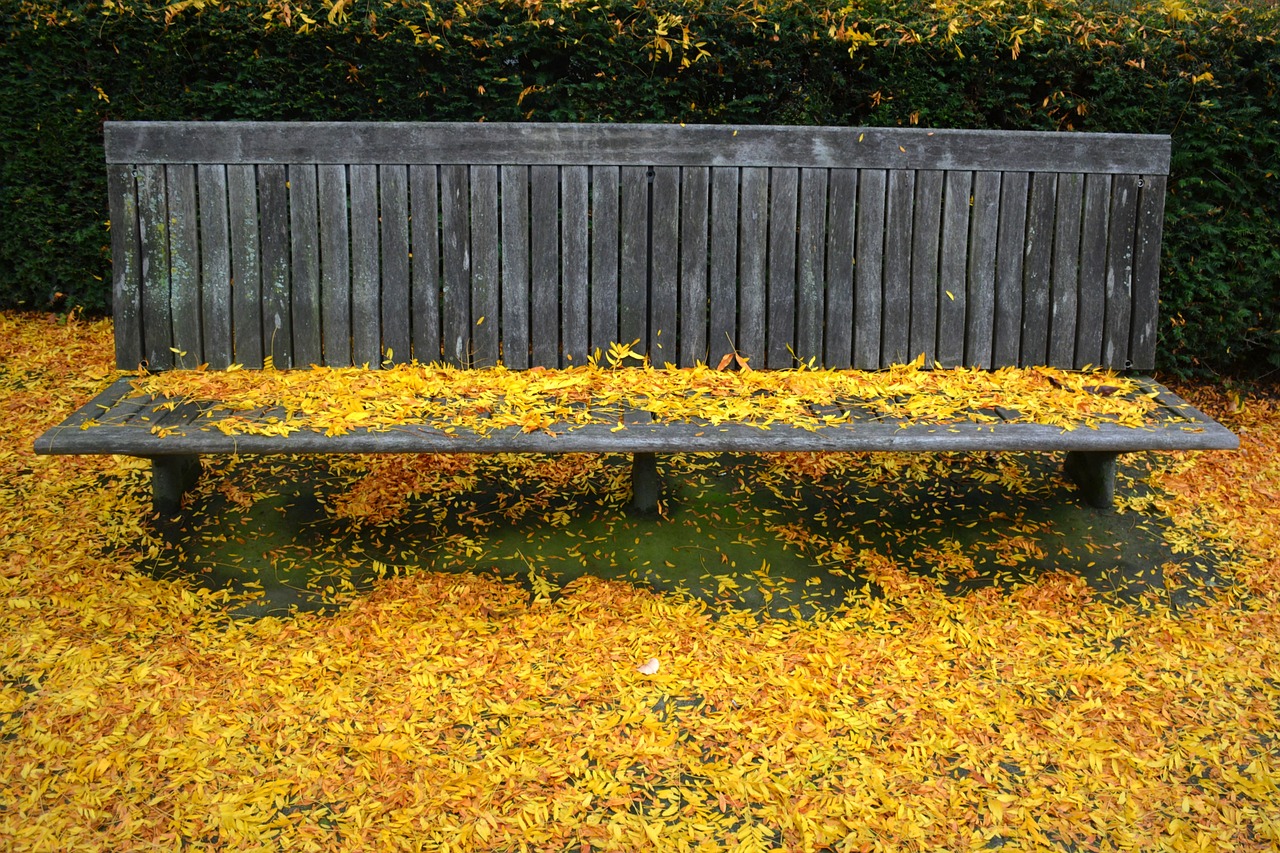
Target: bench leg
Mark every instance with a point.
(171, 478)
(645, 484)
(1095, 473)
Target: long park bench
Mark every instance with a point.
(533, 245)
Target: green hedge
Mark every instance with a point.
(1209, 75)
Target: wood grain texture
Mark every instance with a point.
(1006, 343)
(157, 317)
(1037, 269)
(722, 273)
(695, 207)
(126, 266)
(366, 270)
(784, 188)
(895, 334)
(811, 282)
(953, 269)
(497, 143)
(215, 266)
(1122, 220)
(926, 235)
(246, 265)
(515, 266)
(424, 234)
(394, 295)
(633, 284)
(869, 285)
(842, 216)
(1064, 290)
(1091, 307)
(753, 237)
(544, 266)
(575, 264)
(664, 288)
(1146, 272)
(980, 309)
(455, 262)
(605, 185)
(486, 265)
(273, 219)
(335, 265)
(304, 243)
(184, 266)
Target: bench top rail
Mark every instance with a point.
(538, 244)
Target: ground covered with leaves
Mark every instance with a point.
(485, 654)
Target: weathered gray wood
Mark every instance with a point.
(184, 265)
(695, 206)
(335, 265)
(424, 228)
(485, 266)
(843, 211)
(171, 478)
(575, 312)
(1037, 269)
(273, 219)
(980, 308)
(544, 265)
(868, 320)
(664, 289)
(605, 182)
(953, 269)
(157, 318)
(722, 275)
(455, 259)
(1064, 290)
(126, 265)
(1120, 253)
(366, 272)
(1094, 472)
(1010, 242)
(215, 266)
(926, 233)
(895, 341)
(515, 266)
(1146, 272)
(811, 264)
(304, 241)
(633, 284)
(395, 298)
(1091, 307)
(753, 236)
(632, 145)
(246, 265)
(784, 186)
(646, 487)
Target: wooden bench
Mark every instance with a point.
(361, 243)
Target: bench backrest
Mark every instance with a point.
(535, 244)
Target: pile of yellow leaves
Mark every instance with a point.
(336, 400)
(457, 712)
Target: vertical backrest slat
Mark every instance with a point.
(811, 264)
(335, 265)
(215, 265)
(424, 235)
(869, 272)
(184, 265)
(515, 266)
(753, 236)
(157, 318)
(544, 265)
(1123, 223)
(953, 269)
(895, 310)
(393, 226)
(455, 262)
(605, 181)
(1010, 240)
(1064, 291)
(126, 255)
(304, 240)
(665, 287)
(246, 265)
(485, 266)
(575, 263)
(1146, 272)
(784, 188)
(273, 219)
(633, 273)
(722, 274)
(366, 272)
(926, 231)
(1091, 307)
(695, 206)
(842, 219)
(1037, 269)
(981, 290)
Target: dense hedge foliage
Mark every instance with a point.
(1207, 73)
